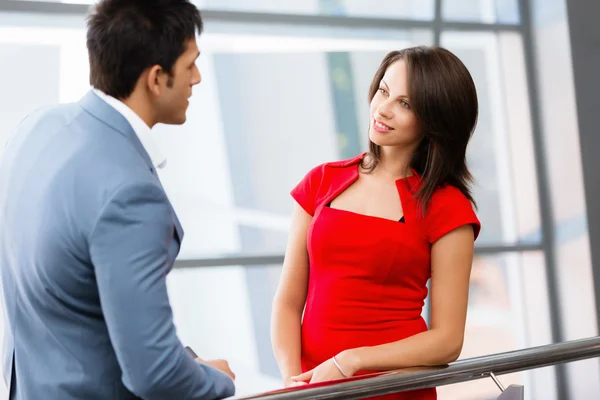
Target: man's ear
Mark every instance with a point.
(156, 79)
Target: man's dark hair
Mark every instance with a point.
(125, 37)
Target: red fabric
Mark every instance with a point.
(368, 275)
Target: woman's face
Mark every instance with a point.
(393, 122)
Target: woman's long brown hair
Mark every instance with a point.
(444, 100)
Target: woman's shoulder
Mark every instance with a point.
(318, 183)
(332, 167)
(448, 209)
(346, 163)
(448, 193)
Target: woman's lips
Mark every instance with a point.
(381, 127)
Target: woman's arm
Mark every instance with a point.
(290, 298)
(451, 259)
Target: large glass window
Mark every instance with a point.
(408, 9)
(487, 11)
(501, 151)
(224, 313)
(385, 9)
(508, 310)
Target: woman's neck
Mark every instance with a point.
(395, 162)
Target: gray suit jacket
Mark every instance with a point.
(87, 237)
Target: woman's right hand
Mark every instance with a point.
(289, 383)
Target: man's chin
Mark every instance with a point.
(174, 121)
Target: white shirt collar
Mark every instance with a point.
(140, 128)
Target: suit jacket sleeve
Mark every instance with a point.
(129, 247)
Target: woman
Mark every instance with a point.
(368, 233)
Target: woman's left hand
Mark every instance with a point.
(327, 371)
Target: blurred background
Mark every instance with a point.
(284, 88)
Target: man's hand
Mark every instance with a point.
(221, 365)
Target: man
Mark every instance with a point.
(87, 234)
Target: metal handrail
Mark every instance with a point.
(276, 259)
(460, 371)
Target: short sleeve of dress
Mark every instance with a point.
(449, 209)
(305, 193)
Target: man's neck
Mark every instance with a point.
(140, 107)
